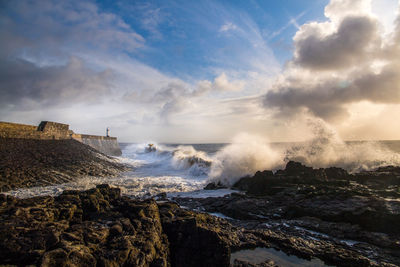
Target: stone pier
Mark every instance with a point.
(48, 130)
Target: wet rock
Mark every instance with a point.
(98, 227)
(242, 263)
(195, 239)
(326, 206)
(261, 183)
(214, 186)
(28, 162)
(381, 178)
(334, 173)
(311, 213)
(87, 228)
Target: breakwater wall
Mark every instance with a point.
(48, 130)
(104, 144)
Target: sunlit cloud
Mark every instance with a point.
(201, 76)
(337, 63)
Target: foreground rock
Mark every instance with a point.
(28, 163)
(360, 212)
(92, 228)
(99, 227)
(324, 215)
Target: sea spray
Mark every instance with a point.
(170, 158)
(327, 149)
(186, 157)
(178, 169)
(248, 154)
(244, 156)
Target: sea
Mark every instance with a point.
(182, 170)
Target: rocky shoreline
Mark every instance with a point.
(325, 217)
(99, 227)
(35, 162)
(327, 212)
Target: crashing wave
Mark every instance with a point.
(186, 157)
(181, 158)
(150, 148)
(248, 154)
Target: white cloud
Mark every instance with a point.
(220, 83)
(228, 26)
(338, 63)
(338, 9)
(85, 77)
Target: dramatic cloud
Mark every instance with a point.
(23, 84)
(339, 9)
(351, 43)
(41, 55)
(62, 25)
(344, 60)
(162, 70)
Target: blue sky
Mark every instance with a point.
(188, 38)
(202, 71)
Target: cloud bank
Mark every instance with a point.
(76, 62)
(344, 60)
(81, 61)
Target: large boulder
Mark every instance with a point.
(269, 183)
(195, 239)
(97, 227)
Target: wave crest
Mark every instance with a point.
(248, 154)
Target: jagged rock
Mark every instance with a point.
(195, 239)
(306, 213)
(331, 201)
(381, 178)
(261, 183)
(214, 186)
(97, 227)
(241, 263)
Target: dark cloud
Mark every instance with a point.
(24, 85)
(61, 26)
(348, 45)
(363, 64)
(42, 52)
(328, 98)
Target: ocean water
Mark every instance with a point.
(260, 255)
(184, 170)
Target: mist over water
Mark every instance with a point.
(248, 154)
(327, 149)
(244, 156)
(185, 169)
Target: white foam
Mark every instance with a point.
(203, 193)
(246, 155)
(327, 149)
(184, 171)
(220, 215)
(130, 186)
(349, 242)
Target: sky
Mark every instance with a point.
(203, 71)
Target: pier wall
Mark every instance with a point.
(104, 144)
(48, 130)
